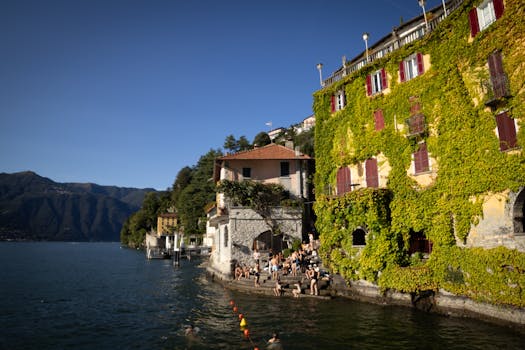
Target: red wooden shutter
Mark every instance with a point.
(497, 75)
(369, 85)
(421, 159)
(343, 181)
(506, 132)
(384, 82)
(498, 8)
(420, 66)
(473, 20)
(332, 104)
(379, 120)
(372, 178)
(415, 108)
(402, 71)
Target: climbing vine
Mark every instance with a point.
(462, 141)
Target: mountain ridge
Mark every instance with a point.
(33, 207)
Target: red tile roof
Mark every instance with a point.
(271, 151)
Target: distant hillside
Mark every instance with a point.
(33, 207)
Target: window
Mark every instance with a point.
(484, 15)
(416, 125)
(338, 101)
(246, 173)
(421, 164)
(344, 181)
(372, 177)
(379, 120)
(376, 82)
(285, 169)
(359, 237)
(498, 78)
(506, 132)
(411, 67)
(226, 237)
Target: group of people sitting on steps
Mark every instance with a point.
(303, 260)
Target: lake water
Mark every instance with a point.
(102, 296)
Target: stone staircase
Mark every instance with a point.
(287, 281)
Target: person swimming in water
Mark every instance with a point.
(274, 343)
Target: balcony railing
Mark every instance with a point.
(495, 89)
(396, 41)
(416, 125)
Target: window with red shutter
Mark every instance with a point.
(473, 21)
(372, 176)
(343, 181)
(421, 164)
(420, 66)
(498, 8)
(332, 104)
(379, 120)
(498, 78)
(384, 81)
(369, 85)
(506, 132)
(402, 71)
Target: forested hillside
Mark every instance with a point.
(33, 207)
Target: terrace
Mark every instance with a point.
(406, 33)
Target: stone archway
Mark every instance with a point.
(518, 214)
(267, 240)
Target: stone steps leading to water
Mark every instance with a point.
(266, 285)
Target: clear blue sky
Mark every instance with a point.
(128, 92)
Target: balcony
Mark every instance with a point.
(416, 125)
(407, 33)
(495, 89)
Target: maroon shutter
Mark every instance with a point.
(473, 20)
(420, 66)
(379, 120)
(332, 104)
(497, 75)
(498, 8)
(372, 178)
(421, 159)
(369, 85)
(415, 108)
(402, 71)
(506, 131)
(384, 82)
(343, 181)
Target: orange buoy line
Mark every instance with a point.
(243, 324)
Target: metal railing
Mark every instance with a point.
(418, 31)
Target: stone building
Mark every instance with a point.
(237, 231)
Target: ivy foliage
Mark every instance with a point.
(463, 146)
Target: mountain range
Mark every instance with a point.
(33, 207)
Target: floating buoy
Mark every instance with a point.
(256, 348)
(243, 322)
(246, 333)
(240, 316)
(235, 309)
(231, 302)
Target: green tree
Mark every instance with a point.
(244, 144)
(262, 139)
(230, 144)
(197, 193)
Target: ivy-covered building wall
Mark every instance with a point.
(420, 171)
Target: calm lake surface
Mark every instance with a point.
(102, 296)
